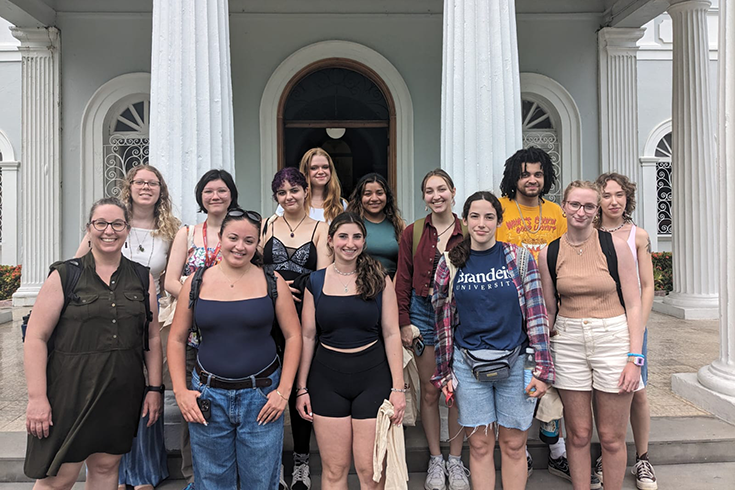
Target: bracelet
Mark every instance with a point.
(398, 390)
(302, 394)
(630, 354)
(279, 394)
(306, 390)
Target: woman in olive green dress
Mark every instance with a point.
(84, 363)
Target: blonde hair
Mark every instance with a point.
(583, 184)
(333, 198)
(166, 224)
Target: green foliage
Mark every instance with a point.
(9, 280)
(663, 276)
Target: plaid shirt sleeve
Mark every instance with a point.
(444, 322)
(537, 323)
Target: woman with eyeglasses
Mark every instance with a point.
(152, 229)
(195, 247)
(85, 350)
(374, 202)
(240, 387)
(590, 283)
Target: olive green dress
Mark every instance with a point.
(94, 377)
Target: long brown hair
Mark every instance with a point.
(166, 224)
(333, 199)
(391, 209)
(370, 280)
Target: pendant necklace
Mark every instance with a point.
(523, 220)
(578, 247)
(293, 230)
(439, 236)
(141, 249)
(232, 284)
(346, 286)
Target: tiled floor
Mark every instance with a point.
(675, 346)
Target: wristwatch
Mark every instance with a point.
(158, 389)
(638, 361)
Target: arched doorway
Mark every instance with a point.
(344, 107)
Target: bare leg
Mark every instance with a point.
(611, 415)
(578, 422)
(482, 464)
(430, 401)
(640, 421)
(102, 471)
(363, 432)
(334, 437)
(64, 479)
(514, 471)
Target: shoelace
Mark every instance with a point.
(300, 472)
(436, 469)
(457, 471)
(644, 470)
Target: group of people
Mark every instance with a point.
(518, 306)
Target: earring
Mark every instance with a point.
(89, 242)
(453, 202)
(126, 244)
(426, 208)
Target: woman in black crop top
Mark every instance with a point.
(358, 360)
(238, 370)
(295, 246)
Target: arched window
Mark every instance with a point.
(663, 185)
(539, 130)
(125, 142)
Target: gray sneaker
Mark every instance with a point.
(458, 475)
(436, 475)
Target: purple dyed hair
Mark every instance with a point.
(290, 175)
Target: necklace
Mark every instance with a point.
(293, 230)
(580, 245)
(140, 247)
(613, 230)
(523, 220)
(232, 284)
(439, 236)
(349, 281)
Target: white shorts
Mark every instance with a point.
(590, 353)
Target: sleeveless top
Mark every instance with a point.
(196, 256)
(148, 250)
(290, 262)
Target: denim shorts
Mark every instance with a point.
(644, 351)
(422, 316)
(232, 443)
(481, 403)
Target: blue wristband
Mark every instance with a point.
(630, 354)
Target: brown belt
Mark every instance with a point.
(261, 379)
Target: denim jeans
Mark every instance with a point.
(233, 444)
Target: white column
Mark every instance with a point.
(713, 388)
(10, 213)
(619, 101)
(481, 94)
(191, 96)
(694, 169)
(40, 175)
(647, 197)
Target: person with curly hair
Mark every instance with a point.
(614, 216)
(374, 202)
(152, 229)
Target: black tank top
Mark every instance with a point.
(290, 262)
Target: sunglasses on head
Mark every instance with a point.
(251, 215)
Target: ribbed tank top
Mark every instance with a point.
(583, 281)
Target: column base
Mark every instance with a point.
(26, 295)
(689, 307)
(688, 386)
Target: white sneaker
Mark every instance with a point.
(282, 481)
(458, 475)
(436, 475)
(301, 477)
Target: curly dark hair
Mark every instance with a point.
(391, 209)
(461, 252)
(516, 165)
(290, 175)
(628, 187)
(370, 280)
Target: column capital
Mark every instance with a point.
(688, 5)
(625, 38)
(36, 38)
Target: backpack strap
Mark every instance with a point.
(552, 255)
(144, 276)
(276, 333)
(418, 230)
(196, 284)
(608, 248)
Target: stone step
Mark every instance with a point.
(673, 441)
(706, 476)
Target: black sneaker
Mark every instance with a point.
(529, 463)
(595, 483)
(560, 467)
(598, 469)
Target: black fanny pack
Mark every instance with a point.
(492, 365)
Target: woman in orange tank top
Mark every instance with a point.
(597, 338)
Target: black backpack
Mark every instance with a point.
(270, 279)
(70, 280)
(608, 248)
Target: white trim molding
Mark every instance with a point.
(356, 52)
(10, 244)
(654, 137)
(93, 130)
(565, 115)
(6, 148)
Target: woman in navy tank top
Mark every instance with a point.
(239, 387)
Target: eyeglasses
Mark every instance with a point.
(588, 208)
(153, 184)
(251, 215)
(101, 225)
